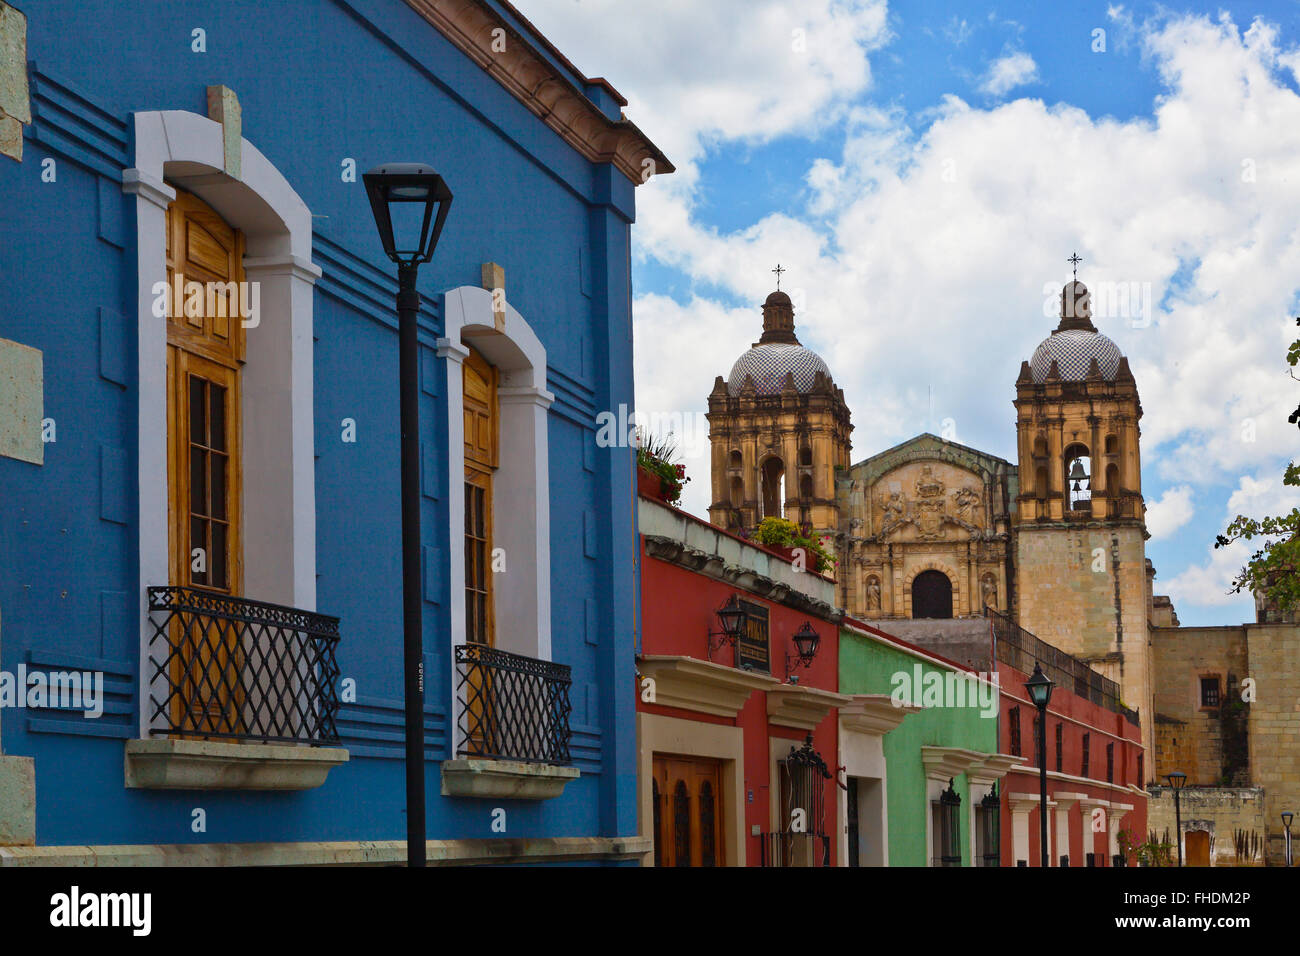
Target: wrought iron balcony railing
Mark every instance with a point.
(796, 849)
(1015, 646)
(227, 668)
(512, 707)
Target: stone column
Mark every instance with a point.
(1065, 803)
(1020, 804)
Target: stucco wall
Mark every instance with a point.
(1226, 813)
(868, 667)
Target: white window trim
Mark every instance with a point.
(521, 508)
(279, 507)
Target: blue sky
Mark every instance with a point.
(924, 173)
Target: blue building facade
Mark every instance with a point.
(254, 458)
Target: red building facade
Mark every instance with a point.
(1094, 754)
(737, 762)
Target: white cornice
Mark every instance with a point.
(874, 714)
(794, 705)
(994, 768)
(944, 763)
(476, 29)
(693, 684)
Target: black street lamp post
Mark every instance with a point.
(403, 185)
(1040, 687)
(1286, 822)
(1176, 781)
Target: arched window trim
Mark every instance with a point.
(522, 611)
(279, 517)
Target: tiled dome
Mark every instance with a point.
(1074, 350)
(769, 364)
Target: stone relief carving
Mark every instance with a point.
(893, 512)
(969, 505)
(932, 509)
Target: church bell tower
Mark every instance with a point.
(1080, 528)
(779, 428)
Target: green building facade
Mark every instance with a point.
(948, 739)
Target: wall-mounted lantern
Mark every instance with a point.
(731, 617)
(806, 642)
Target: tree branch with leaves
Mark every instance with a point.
(1273, 570)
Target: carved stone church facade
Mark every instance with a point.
(934, 529)
(926, 532)
(1056, 541)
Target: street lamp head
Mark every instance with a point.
(1177, 779)
(416, 192)
(1040, 687)
(806, 640)
(1286, 818)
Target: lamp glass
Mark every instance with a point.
(1040, 687)
(806, 640)
(732, 616)
(1177, 779)
(418, 198)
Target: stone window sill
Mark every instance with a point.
(164, 764)
(504, 779)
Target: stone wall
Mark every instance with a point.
(964, 640)
(1191, 737)
(1274, 724)
(1254, 735)
(1084, 590)
(1233, 816)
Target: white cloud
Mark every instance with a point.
(727, 70)
(1170, 512)
(1206, 584)
(1008, 72)
(927, 239)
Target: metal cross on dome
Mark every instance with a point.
(778, 270)
(1076, 259)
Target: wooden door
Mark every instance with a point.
(1196, 848)
(481, 431)
(688, 815)
(479, 384)
(205, 351)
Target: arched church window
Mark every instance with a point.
(737, 492)
(805, 486)
(1112, 445)
(931, 595)
(737, 460)
(1078, 477)
(1040, 447)
(773, 478)
(805, 456)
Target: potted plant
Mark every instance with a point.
(784, 538)
(657, 476)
